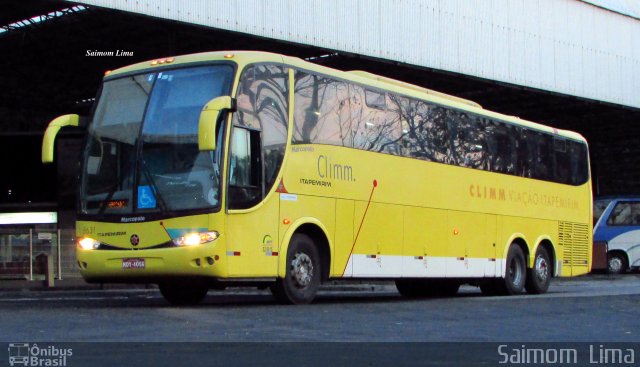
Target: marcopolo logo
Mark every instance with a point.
(32, 355)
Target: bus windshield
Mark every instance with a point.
(142, 149)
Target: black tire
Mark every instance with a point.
(183, 292)
(616, 263)
(419, 288)
(302, 279)
(412, 288)
(515, 276)
(540, 274)
(447, 288)
(516, 273)
(491, 287)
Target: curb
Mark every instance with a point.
(375, 285)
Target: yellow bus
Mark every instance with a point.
(255, 169)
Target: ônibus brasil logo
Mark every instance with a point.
(32, 355)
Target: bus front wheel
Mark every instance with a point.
(183, 292)
(302, 279)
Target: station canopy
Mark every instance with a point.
(45, 72)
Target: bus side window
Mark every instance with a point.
(497, 146)
(438, 132)
(579, 163)
(511, 153)
(259, 134)
(272, 111)
(245, 169)
(523, 168)
(321, 111)
(468, 142)
(562, 161)
(416, 141)
(543, 153)
(374, 126)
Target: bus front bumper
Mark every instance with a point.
(152, 265)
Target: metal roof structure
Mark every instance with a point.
(563, 46)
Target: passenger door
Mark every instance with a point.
(251, 228)
(256, 151)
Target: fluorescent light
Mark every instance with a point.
(29, 218)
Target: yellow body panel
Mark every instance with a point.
(416, 210)
(254, 234)
(344, 235)
(425, 232)
(304, 209)
(428, 209)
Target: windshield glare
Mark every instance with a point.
(142, 152)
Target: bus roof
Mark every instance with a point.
(242, 58)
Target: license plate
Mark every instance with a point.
(135, 263)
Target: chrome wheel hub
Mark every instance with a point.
(301, 269)
(615, 265)
(542, 269)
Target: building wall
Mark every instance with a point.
(565, 46)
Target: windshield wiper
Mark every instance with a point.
(154, 187)
(103, 204)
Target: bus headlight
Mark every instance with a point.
(196, 238)
(88, 243)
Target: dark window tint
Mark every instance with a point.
(562, 164)
(525, 152)
(507, 150)
(416, 140)
(599, 206)
(579, 163)
(245, 174)
(625, 214)
(338, 113)
(543, 163)
(470, 140)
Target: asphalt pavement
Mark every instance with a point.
(350, 324)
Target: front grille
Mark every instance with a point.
(104, 246)
(574, 237)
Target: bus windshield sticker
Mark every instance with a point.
(146, 199)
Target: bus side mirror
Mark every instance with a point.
(52, 131)
(209, 118)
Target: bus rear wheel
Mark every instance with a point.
(183, 292)
(302, 279)
(514, 278)
(539, 276)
